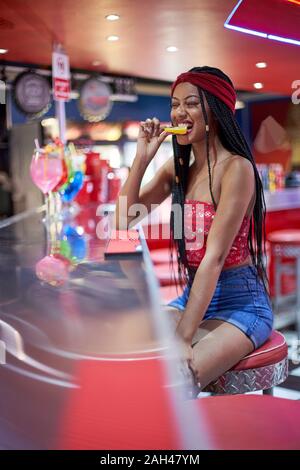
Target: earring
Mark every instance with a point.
(207, 128)
(176, 179)
(180, 161)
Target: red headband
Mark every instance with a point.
(211, 83)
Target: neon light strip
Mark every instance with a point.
(281, 39)
(259, 33)
(247, 31)
(233, 11)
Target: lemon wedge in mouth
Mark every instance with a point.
(176, 130)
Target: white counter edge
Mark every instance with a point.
(283, 199)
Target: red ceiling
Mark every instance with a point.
(29, 27)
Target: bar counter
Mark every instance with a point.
(85, 363)
(89, 360)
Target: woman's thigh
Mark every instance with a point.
(220, 345)
(217, 346)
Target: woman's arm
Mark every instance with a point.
(150, 137)
(154, 192)
(237, 189)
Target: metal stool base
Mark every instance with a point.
(249, 380)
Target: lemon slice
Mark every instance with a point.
(176, 130)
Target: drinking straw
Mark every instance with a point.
(37, 145)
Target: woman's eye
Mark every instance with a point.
(192, 103)
(173, 105)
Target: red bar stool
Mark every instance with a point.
(286, 243)
(264, 368)
(251, 422)
(164, 274)
(161, 256)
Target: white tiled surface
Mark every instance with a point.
(296, 372)
(286, 393)
(281, 392)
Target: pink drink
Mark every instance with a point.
(46, 172)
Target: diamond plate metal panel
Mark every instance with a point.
(249, 380)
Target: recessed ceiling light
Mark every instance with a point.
(112, 17)
(3, 51)
(261, 65)
(258, 85)
(113, 38)
(172, 49)
(96, 62)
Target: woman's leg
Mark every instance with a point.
(220, 346)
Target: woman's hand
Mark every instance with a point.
(150, 137)
(186, 350)
(186, 367)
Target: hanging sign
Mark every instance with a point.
(61, 76)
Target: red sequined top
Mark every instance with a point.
(198, 218)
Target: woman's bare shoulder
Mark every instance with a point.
(238, 165)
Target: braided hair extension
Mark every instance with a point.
(182, 155)
(232, 140)
(207, 145)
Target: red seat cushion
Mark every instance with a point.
(161, 256)
(119, 404)
(163, 273)
(272, 351)
(289, 237)
(157, 235)
(250, 422)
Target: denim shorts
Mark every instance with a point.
(240, 299)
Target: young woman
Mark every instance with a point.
(224, 312)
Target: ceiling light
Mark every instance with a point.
(261, 65)
(112, 17)
(113, 38)
(3, 51)
(258, 85)
(172, 49)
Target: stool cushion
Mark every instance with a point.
(289, 237)
(161, 256)
(163, 273)
(157, 235)
(253, 422)
(272, 351)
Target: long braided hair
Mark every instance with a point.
(232, 139)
